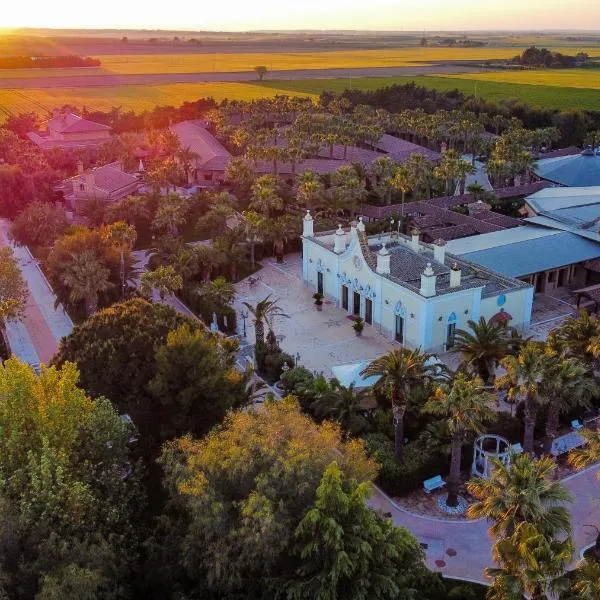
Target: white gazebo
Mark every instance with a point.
(485, 448)
(350, 374)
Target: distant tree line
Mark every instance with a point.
(542, 57)
(47, 62)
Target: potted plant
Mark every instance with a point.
(358, 326)
(318, 298)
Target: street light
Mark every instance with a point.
(297, 358)
(244, 317)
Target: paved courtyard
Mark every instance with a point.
(323, 339)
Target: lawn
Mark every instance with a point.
(128, 64)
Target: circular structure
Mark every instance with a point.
(485, 448)
(459, 509)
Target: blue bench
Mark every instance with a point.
(433, 484)
(576, 425)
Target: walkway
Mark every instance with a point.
(34, 339)
(462, 549)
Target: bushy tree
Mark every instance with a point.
(13, 290)
(39, 224)
(69, 495)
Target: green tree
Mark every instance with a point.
(240, 174)
(261, 71)
(310, 191)
(400, 371)
(346, 550)
(587, 580)
(170, 216)
(466, 406)
(483, 347)
(86, 278)
(217, 293)
(264, 312)
(122, 236)
(576, 335)
(13, 289)
(39, 224)
(265, 197)
(195, 382)
(242, 490)
(68, 512)
(522, 492)
(115, 353)
(165, 280)
(346, 405)
(522, 378)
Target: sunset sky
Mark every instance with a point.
(306, 14)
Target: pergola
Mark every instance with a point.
(591, 293)
(485, 448)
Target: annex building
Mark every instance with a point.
(417, 294)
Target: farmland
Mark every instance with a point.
(131, 64)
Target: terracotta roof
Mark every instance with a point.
(401, 150)
(109, 178)
(195, 136)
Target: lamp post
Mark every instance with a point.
(244, 317)
(297, 360)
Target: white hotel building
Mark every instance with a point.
(416, 293)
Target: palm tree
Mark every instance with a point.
(466, 407)
(383, 170)
(186, 157)
(218, 292)
(523, 491)
(265, 198)
(122, 236)
(483, 347)
(86, 277)
(310, 191)
(342, 404)
(566, 383)
(403, 181)
(587, 580)
(165, 280)
(576, 336)
(264, 312)
(399, 371)
(522, 379)
(531, 565)
(588, 454)
(171, 215)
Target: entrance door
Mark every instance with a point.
(450, 336)
(399, 329)
(345, 297)
(369, 311)
(356, 304)
(320, 283)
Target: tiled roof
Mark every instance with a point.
(401, 150)
(195, 136)
(109, 178)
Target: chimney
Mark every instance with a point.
(383, 261)
(414, 242)
(428, 282)
(455, 276)
(307, 226)
(439, 251)
(79, 166)
(339, 244)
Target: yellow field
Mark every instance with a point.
(129, 97)
(573, 78)
(128, 64)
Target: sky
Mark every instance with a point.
(242, 15)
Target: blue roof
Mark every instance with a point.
(578, 170)
(535, 255)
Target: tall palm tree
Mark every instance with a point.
(566, 383)
(532, 565)
(399, 371)
(171, 215)
(254, 227)
(164, 279)
(404, 182)
(577, 335)
(483, 347)
(466, 407)
(310, 191)
(521, 380)
(122, 236)
(587, 580)
(522, 492)
(265, 197)
(264, 312)
(218, 292)
(86, 277)
(588, 454)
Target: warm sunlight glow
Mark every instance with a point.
(310, 14)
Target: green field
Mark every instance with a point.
(146, 97)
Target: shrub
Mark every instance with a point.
(274, 365)
(295, 379)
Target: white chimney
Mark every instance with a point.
(361, 225)
(339, 243)
(439, 251)
(307, 229)
(383, 261)
(455, 276)
(428, 282)
(414, 241)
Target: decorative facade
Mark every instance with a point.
(415, 293)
